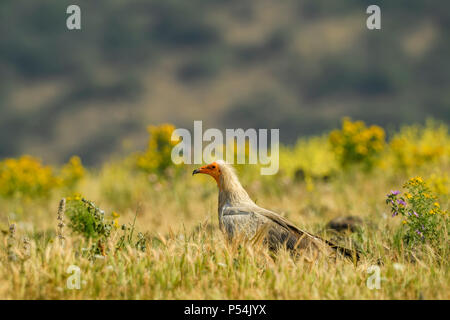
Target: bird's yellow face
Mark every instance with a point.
(211, 169)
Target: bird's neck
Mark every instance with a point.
(231, 192)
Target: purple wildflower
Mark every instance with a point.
(394, 214)
(394, 193)
(419, 233)
(415, 213)
(400, 201)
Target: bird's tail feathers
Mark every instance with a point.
(354, 254)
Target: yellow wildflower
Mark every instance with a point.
(75, 197)
(26, 176)
(72, 172)
(157, 157)
(356, 143)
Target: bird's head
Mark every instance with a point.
(226, 179)
(212, 169)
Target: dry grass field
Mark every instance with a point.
(162, 239)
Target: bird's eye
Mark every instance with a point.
(213, 167)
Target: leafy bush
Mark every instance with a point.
(415, 145)
(423, 219)
(72, 172)
(440, 184)
(356, 143)
(26, 177)
(87, 219)
(157, 157)
(311, 155)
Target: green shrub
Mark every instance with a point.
(87, 219)
(423, 220)
(355, 143)
(158, 156)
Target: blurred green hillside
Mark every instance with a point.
(295, 65)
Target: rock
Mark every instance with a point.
(345, 223)
(299, 175)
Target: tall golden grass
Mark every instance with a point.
(187, 256)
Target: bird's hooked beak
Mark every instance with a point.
(203, 169)
(211, 169)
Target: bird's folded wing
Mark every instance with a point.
(234, 211)
(276, 218)
(272, 216)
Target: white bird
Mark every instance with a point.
(240, 216)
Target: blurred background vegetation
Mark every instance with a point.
(295, 65)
